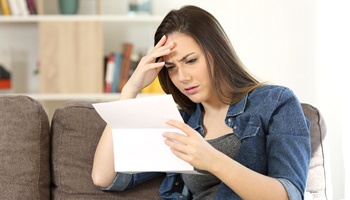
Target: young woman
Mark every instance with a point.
(250, 140)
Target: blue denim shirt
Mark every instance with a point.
(275, 141)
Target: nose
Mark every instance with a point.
(183, 75)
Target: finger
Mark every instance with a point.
(161, 42)
(163, 46)
(152, 56)
(180, 125)
(175, 145)
(160, 53)
(161, 49)
(178, 150)
(156, 65)
(175, 137)
(180, 155)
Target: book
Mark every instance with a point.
(116, 76)
(31, 7)
(109, 73)
(22, 7)
(125, 67)
(5, 78)
(18, 7)
(140, 147)
(105, 61)
(5, 7)
(5, 84)
(14, 7)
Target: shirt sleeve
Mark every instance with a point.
(293, 192)
(123, 181)
(288, 145)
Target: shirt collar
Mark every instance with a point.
(195, 121)
(238, 108)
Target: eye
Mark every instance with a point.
(191, 61)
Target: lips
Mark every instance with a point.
(191, 90)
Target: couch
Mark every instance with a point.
(43, 160)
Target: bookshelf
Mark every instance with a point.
(105, 32)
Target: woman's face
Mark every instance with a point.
(187, 68)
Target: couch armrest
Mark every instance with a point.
(24, 149)
(318, 171)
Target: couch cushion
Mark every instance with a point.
(316, 181)
(76, 130)
(24, 149)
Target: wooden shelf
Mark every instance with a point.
(90, 18)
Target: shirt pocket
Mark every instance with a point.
(246, 126)
(252, 152)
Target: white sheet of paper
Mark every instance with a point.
(137, 127)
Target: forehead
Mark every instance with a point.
(183, 44)
(180, 38)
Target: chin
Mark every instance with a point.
(195, 99)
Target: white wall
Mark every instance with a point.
(333, 64)
(299, 44)
(275, 39)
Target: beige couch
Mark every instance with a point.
(39, 160)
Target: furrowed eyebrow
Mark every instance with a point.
(182, 59)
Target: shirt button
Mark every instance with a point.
(235, 127)
(177, 183)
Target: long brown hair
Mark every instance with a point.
(229, 78)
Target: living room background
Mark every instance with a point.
(299, 44)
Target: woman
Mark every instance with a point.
(249, 140)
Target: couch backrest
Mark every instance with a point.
(76, 130)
